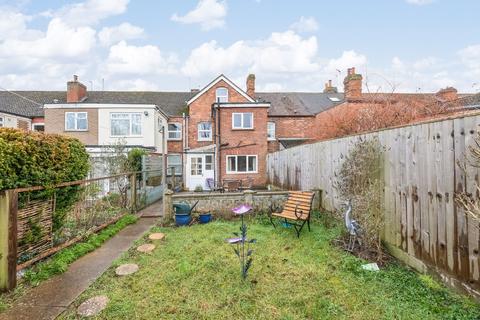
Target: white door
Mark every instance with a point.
(199, 169)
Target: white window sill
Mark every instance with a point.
(75, 130)
(235, 172)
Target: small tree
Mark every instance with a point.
(360, 180)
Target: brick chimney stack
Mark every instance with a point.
(251, 85)
(352, 85)
(447, 94)
(76, 91)
(329, 88)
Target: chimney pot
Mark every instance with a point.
(329, 88)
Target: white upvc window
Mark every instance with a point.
(76, 121)
(1, 122)
(174, 131)
(204, 131)
(125, 124)
(174, 161)
(242, 164)
(271, 131)
(242, 120)
(209, 162)
(221, 95)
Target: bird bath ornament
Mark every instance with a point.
(353, 228)
(242, 249)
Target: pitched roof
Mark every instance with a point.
(27, 103)
(30, 103)
(172, 103)
(299, 103)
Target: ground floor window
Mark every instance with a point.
(38, 127)
(174, 162)
(1, 122)
(242, 164)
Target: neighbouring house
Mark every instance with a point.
(362, 112)
(24, 109)
(100, 119)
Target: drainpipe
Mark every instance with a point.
(185, 146)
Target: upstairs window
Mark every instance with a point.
(125, 124)
(221, 95)
(205, 131)
(242, 120)
(174, 131)
(270, 130)
(76, 121)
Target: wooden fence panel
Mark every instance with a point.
(421, 178)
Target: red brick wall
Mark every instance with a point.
(254, 142)
(175, 146)
(291, 127)
(201, 110)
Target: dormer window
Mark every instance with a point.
(221, 95)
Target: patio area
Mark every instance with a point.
(194, 274)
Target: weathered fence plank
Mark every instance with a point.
(421, 178)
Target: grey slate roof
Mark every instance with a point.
(172, 103)
(31, 105)
(299, 103)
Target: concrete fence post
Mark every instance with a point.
(248, 194)
(8, 239)
(317, 200)
(167, 205)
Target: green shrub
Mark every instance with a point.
(135, 159)
(38, 159)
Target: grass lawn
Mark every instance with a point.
(194, 274)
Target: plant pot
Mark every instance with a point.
(205, 217)
(182, 219)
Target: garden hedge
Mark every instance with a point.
(32, 158)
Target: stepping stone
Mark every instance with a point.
(156, 236)
(146, 248)
(92, 306)
(126, 269)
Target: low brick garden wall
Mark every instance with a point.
(221, 204)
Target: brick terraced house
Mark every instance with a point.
(222, 131)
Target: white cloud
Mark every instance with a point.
(210, 14)
(420, 2)
(139, 60)
(281, 52)
(305, 24)
(348, 59)
(124, 31)
(90, 12)
(470, 56)
(59, 41)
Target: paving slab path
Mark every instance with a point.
(52, 297)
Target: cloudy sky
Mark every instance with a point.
(401, 45)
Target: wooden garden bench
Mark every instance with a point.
(297, 208)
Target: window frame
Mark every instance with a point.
(223, 96)
(76, 113)
(199, 137)
(179, 131)
(130, 126)
(247, 156)
(2, 122)
(242, 127)
(268, 131)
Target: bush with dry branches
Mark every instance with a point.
(470, 202)
(360, 179)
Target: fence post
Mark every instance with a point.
(8, 239)
(167, 205)
(133, 192)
